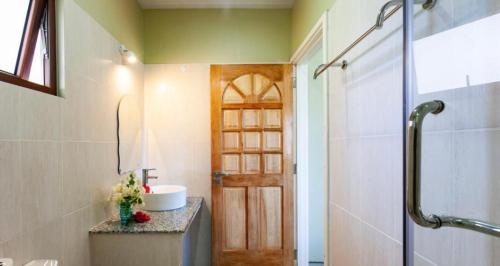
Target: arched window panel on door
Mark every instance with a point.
(231, 95)
(271, 95)
(260, 83)
(244, 84)
(251, 88)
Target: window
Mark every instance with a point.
(28, 46)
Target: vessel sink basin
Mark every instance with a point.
(165, 198)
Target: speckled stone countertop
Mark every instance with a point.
(175, 221)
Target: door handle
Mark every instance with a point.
(218, 177)
(413, 173)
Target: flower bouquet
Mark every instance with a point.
(126, 195)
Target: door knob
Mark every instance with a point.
(218, 177)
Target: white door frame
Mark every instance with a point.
(318, 35)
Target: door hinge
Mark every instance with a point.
(295, 254)
(294, 77)
(294, 168)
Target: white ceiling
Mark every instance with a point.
(173, 4)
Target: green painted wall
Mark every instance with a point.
(124, 19)
(305, 14)
(217, 36)
(207, 35)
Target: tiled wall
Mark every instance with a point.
(459, 154)
(58, 154)
(177, 117)
(365, 138)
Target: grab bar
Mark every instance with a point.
(342, 65)
(414, 197)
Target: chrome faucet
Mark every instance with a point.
(146, 176)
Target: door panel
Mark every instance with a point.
(251, 145)
(234, 218)
(269, 218)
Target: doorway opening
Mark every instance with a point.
(311, 113)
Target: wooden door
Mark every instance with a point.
(252, 221)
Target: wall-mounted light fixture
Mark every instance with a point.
(128, 57)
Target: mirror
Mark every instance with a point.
(129, 134)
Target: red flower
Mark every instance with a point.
(141, 217)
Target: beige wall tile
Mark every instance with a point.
(103, 171)
(10, 190)
(42, 243)
(75, 238)
(39, 116)
(9, 103)
(177, 113)
(64, 160)
(76, 158)
(41, 196)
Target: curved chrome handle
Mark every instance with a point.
(413, 190)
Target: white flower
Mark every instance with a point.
(128, 191)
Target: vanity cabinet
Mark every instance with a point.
(171, 238)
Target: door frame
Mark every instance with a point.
(317, 36)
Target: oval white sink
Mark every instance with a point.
(165, 198)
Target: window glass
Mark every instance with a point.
(13, 15)
(37, 69)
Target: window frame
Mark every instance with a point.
(36, 12)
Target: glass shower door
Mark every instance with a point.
(453, 55)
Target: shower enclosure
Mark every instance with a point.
(452, 118)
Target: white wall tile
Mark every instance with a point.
(459, 169)
(9, 103)
(381, 184)
(366, 132)
(103, 171)
(359, 244)
(41, 196)
(42, 243)
(11, 190)
(476, 107)
(39, 116)
(76, 158)
(422, 261)
(58, 154)
(177, 114)
(76, 240)
(374, 103)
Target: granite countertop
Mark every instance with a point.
(174, 221)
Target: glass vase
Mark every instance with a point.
(125, 213)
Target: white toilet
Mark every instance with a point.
(10, 262)
(42, 263)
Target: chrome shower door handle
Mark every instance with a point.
(413, 173)
(413, 163)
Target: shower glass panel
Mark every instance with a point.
(456, 59)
